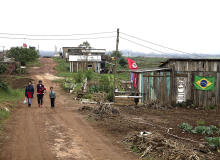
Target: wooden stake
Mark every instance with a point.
(116, 57)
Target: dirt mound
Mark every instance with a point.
(154, 145)
(16, 82)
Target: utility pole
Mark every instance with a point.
(116, 57)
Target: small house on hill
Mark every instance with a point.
(81, 58)
(173, 81)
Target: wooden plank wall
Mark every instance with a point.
(206, 68)
(157, 87)
(194, 65)
(204, 98)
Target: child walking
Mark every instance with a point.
(29, 92)
(52, 95)
(40, 93)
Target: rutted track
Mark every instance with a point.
(59, 133)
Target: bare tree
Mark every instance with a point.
(86, 48)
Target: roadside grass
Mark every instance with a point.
(12, 95)
(62, 68)
(3, 115)
(34, 64)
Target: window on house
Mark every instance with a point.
(89, 65)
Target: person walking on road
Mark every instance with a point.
(40, 93)
(29, 92)
(52, 95)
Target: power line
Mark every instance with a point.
(57, 39)
(155, 43)
(146, 46)
(57, 35)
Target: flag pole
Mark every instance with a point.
(116, 57)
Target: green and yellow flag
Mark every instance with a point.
(204, 83)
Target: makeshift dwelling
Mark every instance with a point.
(176, 80)
(81, 58)
(183, 75)
(152, 84)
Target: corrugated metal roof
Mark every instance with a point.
(149, 70)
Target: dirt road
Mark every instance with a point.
(61, 133)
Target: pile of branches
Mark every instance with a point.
(83, 108)
(157, 104)
(103, 110)
(154, 145)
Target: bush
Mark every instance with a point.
(123, 61)
(89, 74)
(200, 122)
(3, 87)
(202, 130)
(105, 84)
(3, 68)
(213, 141)
(186, 127)
(214, 128)
(94, 88)
(109, 97)
(79, 76)
(88, 96)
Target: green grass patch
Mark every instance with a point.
(63, 68)
(3, 115)
(12, 95)
(34, 64)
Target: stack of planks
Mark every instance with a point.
(124, 101)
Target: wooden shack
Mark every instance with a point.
(173, 82)
(153, 83)
(183, 74)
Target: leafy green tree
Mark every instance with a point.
(123, 61)
(85, 45)
(113, 53)
(23, 55)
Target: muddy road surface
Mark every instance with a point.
(61, 133)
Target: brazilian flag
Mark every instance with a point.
(204, 83)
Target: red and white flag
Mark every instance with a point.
(132, 64)
(24, 45)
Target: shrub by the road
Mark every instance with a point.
(3, 68)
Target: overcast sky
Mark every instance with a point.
(185, 25)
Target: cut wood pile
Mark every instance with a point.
(124, 101)
(103, 110)
(155, 146)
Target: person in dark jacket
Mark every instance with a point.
(52, 95)
(29, 92)
(40, 93)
